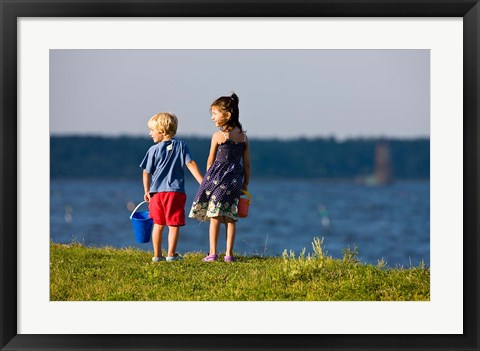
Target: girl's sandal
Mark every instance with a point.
(210, 258)
(229, 259)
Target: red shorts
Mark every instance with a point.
(168, 208)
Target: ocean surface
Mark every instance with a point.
(389, 222)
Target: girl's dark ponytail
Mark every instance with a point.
(235, 111)
(230, 104)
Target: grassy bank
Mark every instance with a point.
(80, 273)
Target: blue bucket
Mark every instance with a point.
(142, 225)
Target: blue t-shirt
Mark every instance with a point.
(165, 162)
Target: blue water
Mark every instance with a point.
(386, 222)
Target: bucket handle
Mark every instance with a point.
(140, 204)
(248, 195)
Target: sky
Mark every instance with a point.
(283, 93)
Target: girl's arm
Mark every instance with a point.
(246, 166)
(146, 186)
(193, 168)
(213, 149)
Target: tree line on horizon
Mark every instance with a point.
(98, 157)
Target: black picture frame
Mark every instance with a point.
(11, 10)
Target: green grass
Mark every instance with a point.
(79, 273)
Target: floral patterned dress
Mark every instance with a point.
(221, 188)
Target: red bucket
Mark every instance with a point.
(243, 204)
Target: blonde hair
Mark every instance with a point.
(164, 122)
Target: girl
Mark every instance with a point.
(228, 173)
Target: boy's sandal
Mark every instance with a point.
(158, 259)
(176, 257)
(229, 259)
(210, 258)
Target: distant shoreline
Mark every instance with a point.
(98, 157)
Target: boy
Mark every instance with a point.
(163, 182)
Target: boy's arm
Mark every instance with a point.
(193, 168)
(146, 186)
